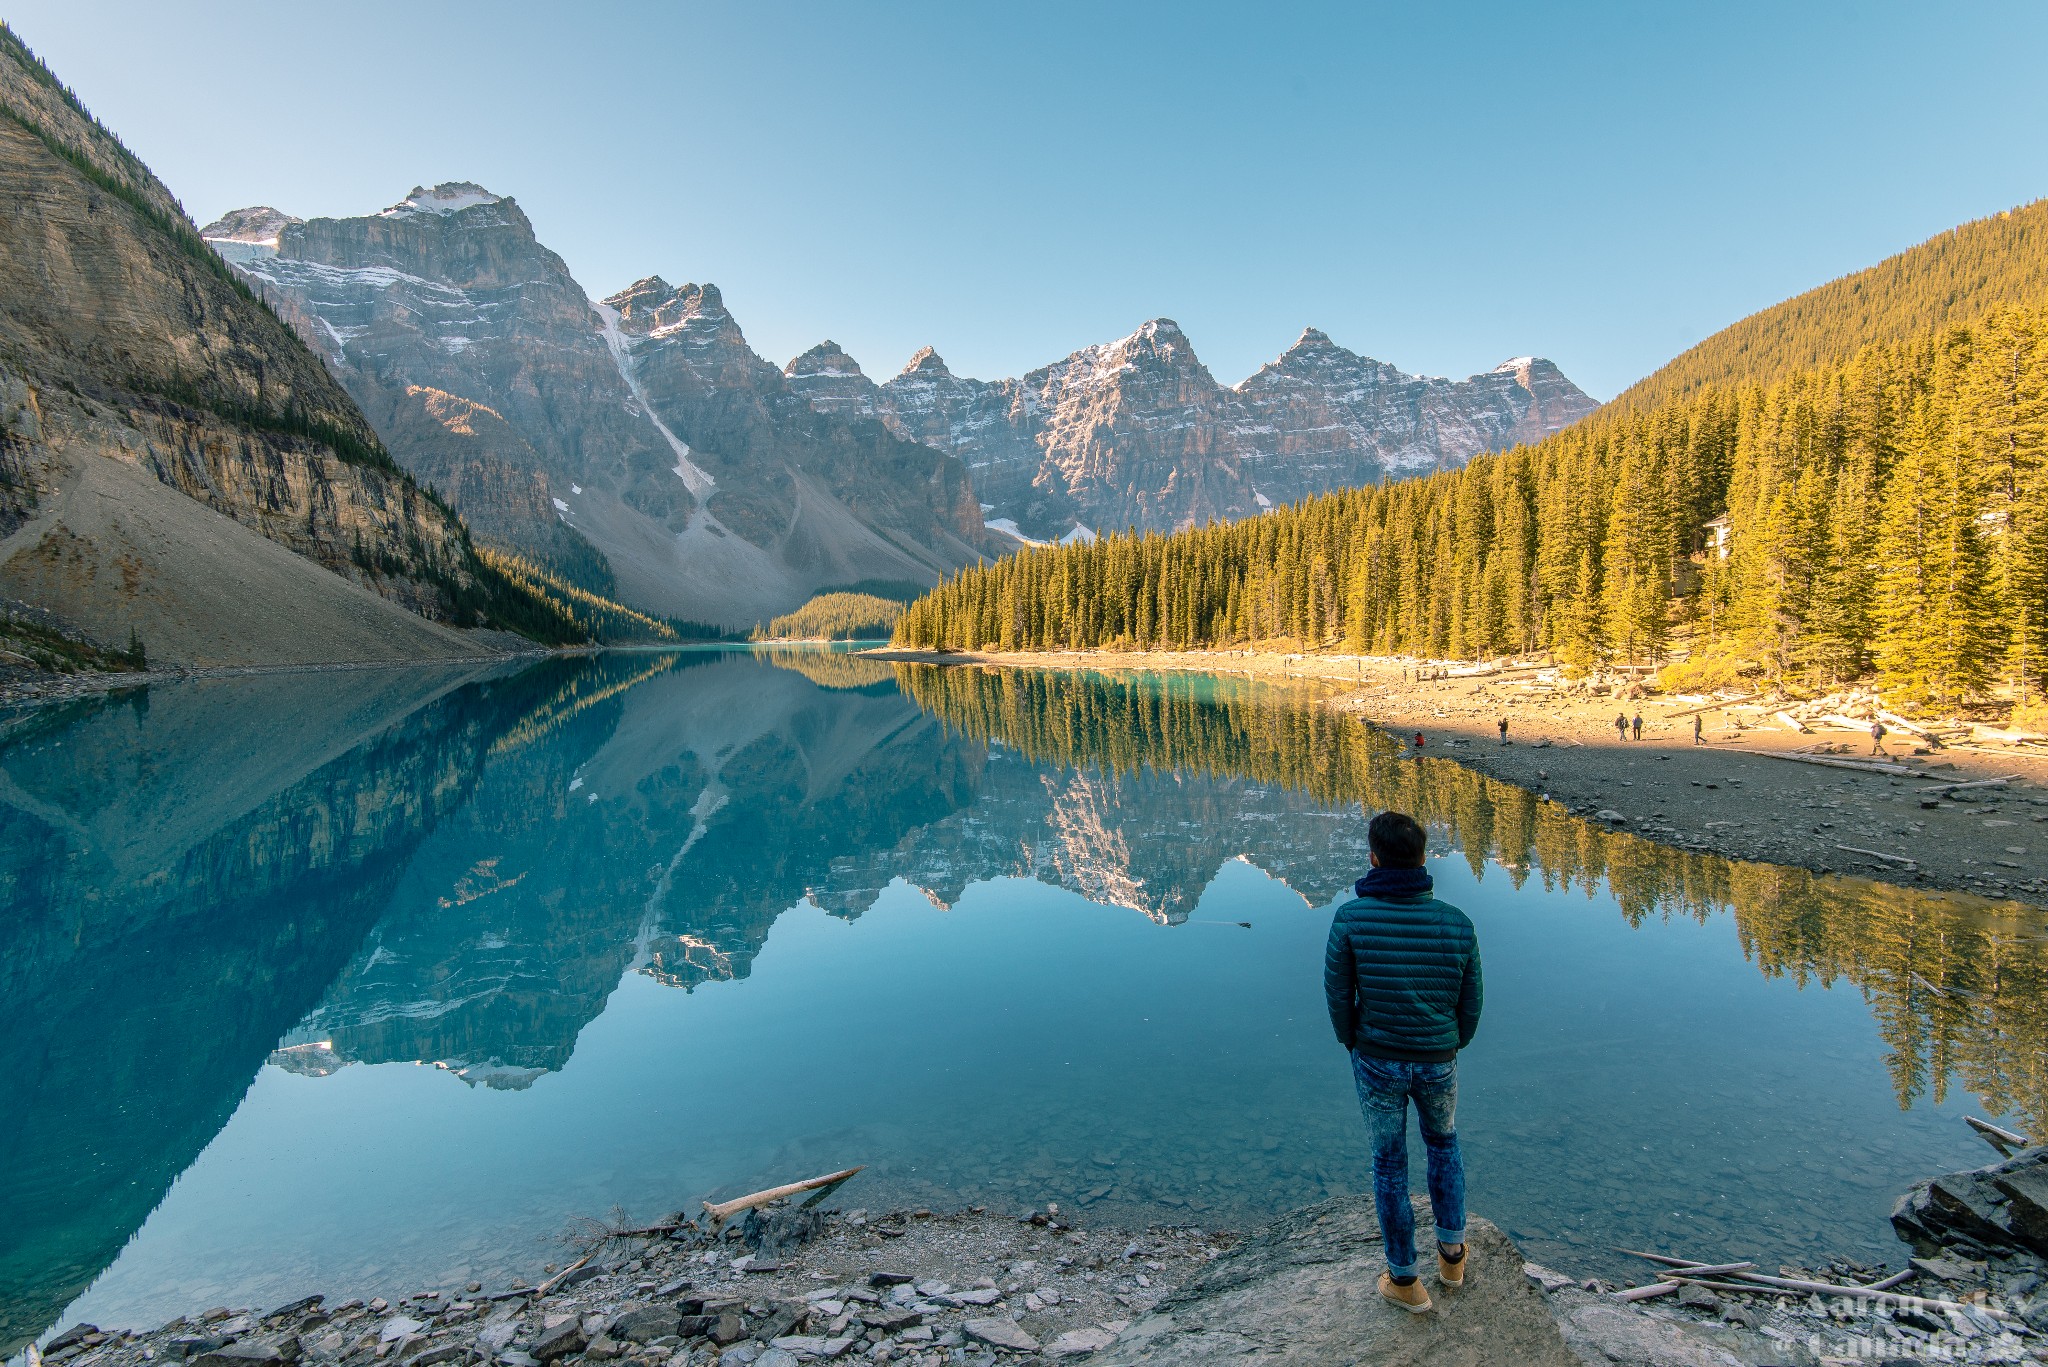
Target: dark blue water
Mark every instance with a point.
(369, 981)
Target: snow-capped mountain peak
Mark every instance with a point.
(446, 198)
(926, 362)
(257, 226)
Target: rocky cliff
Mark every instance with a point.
(1138, 430)
(647, 443)
(175, 467)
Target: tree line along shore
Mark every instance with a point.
(1883, 518)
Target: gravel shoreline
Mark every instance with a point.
(975, 1288)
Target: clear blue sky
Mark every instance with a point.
(1440, 186)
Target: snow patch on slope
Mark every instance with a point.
(698, 481)
(442, 199)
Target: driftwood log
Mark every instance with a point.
(722, 1211)
(1713, 706)
(1998, 1137)
(1905, 859)
(1973, 783)
(1868, 766)
(1681, 1269)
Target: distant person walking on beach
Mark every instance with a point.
(1877, 735)
(1635, 724)
(1503, 724)
(1621, 725)
(1698, 729)
(1402, 976)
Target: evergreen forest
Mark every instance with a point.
(1956, 277)
(1886, 515)
(837, 617)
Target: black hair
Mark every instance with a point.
(1398, 839)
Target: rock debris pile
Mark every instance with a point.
(913, 1288)
(975, 1289)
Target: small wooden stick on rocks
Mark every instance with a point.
(725, 1210)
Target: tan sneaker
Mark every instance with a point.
(1411, 1297)
(1452, 1274)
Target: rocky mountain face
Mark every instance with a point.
(660, 454)
(1137, 431)
(175, 467)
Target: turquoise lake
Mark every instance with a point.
(369, 981)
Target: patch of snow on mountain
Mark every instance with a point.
(449, 198)
(1008, 527)
(1081, 536)
(699, 483)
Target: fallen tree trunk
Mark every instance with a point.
(1907, 860)
(2005, 1141)
(1867, 766)
(1682, 1267)
(722, 1211)
(1973, 783)
(1894, 719)
(1714, 706)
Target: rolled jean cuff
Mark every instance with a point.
(1395, 1270)
(1449, 1236)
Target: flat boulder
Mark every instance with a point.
(1624, 1337)
(639, 1323)
(1001, 1333)
(559, 1340)
(1304, 1289)
(242, 1353)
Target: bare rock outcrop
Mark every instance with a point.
(1997, 1210)
(1137, 431)
(162, 430)
(1304, 1290)
(654, 454)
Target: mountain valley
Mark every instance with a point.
(637, 444)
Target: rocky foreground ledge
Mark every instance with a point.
(790, 1287)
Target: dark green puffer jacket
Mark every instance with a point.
(1402, 971)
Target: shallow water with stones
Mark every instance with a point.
(372, 981)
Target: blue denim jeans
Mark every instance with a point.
(1385, 1087)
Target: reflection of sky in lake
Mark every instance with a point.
(908, 947)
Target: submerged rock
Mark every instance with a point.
(1303, 1290)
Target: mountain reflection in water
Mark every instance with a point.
(474, 871)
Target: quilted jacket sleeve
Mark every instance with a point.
(1470, 996)
(1340, 981)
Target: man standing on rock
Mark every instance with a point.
(1402, 976)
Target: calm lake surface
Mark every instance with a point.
(364, 982)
